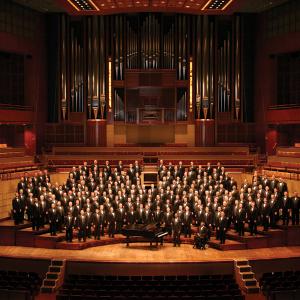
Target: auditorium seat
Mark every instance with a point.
(275, 284)
(19, 285)
(150, 287)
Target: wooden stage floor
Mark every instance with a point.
(142, 253)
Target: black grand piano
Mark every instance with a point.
(152, 233)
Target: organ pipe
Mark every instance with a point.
(224, 75)
(237, 68)
(89, 67)
(102, 67)
(72, 76)
(63, 41)
(228, 72)
(95, 64)
(205, 62)
(211, 69)
(198, 66)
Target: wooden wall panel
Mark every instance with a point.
(204, 133)
(160, 134)
(96, 133)
(185, 134)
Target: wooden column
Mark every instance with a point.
(204, 133)
(96, 133)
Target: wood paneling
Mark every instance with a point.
(96, 133)
(11, 116)
(236, 132)
(158, 78)
(283, 116)
(204, 133)
(160, 134)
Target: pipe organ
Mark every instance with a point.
(103, 59)
(205, 55)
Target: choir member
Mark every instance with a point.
(97, 223)
(18, 206)
(82, 226)
(69, 225)
(253, 218)
(265, 214)
(295, 207)
(176, 229)
(240, 220)
(53, 219)
(285, 208)
(111, 222)
(187, 222)
(222, 227)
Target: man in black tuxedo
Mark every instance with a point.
(201, 237)
(187, 222)
(158, 216)
(181, 169)
(89, 219)
(295, 206)
(285, 208)
(222, 226)
(53, 219)
(97, 223)
(18, 209)
(131, 216)
(22, 184)
(253, 218)
(265, 214)
(282, 186)
(168, 217)
(208, 220)
(120, 217)
(111, 222)
(241, 219)
(36, 215)
(69, 225)
(176, 229)
(82, 226)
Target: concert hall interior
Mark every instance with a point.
(149, 149)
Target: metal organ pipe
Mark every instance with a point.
(205, 62)
(228, 72)
(63, 67)
(198, 65)
(211, 69)
(237, 68)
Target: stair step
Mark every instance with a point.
(52, 275)
(46, 289)
(247, 275)
(244, 269)
(242, 262)
(54, 269)
(250, 282)
(252, 289)
(49, 282)
(55, 262)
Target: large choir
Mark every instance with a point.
(97, 200)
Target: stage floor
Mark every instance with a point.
(142, 253)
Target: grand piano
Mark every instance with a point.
(152, 233)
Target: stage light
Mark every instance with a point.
(83, 5)
(216, 4)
